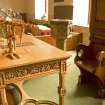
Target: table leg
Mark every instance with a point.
(61, 88)
(3, 96)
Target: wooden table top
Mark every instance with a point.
(32, 51)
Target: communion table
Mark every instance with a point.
(36, 59)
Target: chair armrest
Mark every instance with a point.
(101, 58)
(84, 52)
(80, 50)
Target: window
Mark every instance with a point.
(80, 12)
(41, 9)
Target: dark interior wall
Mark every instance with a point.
(63, 12)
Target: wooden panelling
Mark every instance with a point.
(97, 21)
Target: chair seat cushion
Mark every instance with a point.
(89, 65)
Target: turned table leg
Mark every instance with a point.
(61, 88)
(3, 96)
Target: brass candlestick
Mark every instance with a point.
(11, 40)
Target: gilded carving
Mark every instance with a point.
(30, 70)
(1, 80)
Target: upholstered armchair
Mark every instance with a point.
(91, 62)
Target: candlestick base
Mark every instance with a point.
(11, 55)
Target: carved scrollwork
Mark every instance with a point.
(31, 69)
(63, 67)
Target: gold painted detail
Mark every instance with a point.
(1, 80)
(61, 91)
(63, 70)
(29, 70)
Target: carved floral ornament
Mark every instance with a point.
(27, 71)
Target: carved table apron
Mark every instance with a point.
(17, 71)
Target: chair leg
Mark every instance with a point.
(101, 93)
(85, 77)
(100, 87)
